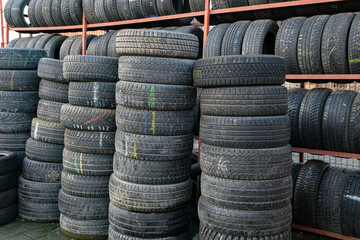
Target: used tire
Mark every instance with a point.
(245, 132)
(38, 212)
(49, 111)
(15, 122)
(233, 38)
(13, 142)
(38, 192)
(51, 69)
(8, 162)
(214, 40)
(8, 214)
(53, 91)
(354, 125)
(138, 42)
(44, 152)
(114, 235)
(8, 181)
(353, 45)
(66, 46)
(8, 198)
(18, 102)
(49, 132)
(239, 70)
(42, 171)
(19, 80)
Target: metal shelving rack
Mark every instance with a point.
(206, 14)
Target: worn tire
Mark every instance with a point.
(245, 132)
(8, 214)
(244, 101)
(157, 43)
(214, 40)
(66, 46)
(90, 142)
(13, 142)
(114, 235)
(19, 80)
(353, 45)
(156, 70)
(38, 192)
(354, 126)
(8, 198)
(51, 69)
(49, 111)
(239, 71)
(8, 181)
(233, 38)
(53, 91)
(44, 152)
(52, 47)
(42, 171)
(18, 102)
(17, 13)
(49, 132)
(15, 122)
(8, 163)
(20, 59)
(92, 94)
(306, 192)
(38, 212)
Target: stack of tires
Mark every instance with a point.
(89, 121)
(19, 86)
(8, 193)
(245, 155)
(151, 182)
(39, 185)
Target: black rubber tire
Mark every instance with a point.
(18, 102)
(309, 45)
(260, 37)
(56, 13)
(7, 14)
(87, 119)
(214, 40)
(25, 42)
(353, 45)
(354, 126)
(49, 132)
(81, 208)
(39, 212)
(113, 235)
(246, 164)
(233, 38)
(156, 70)
(331, 191)
(335, 44)
(239, 70)
(87, 164)
(311, 117)
(43, 152)
(210, 234)
(198, 32)
(155, 96)
(157, 123)
(244, 101)
(197, 113)
(245, 132)
(286, 43)
(53, 46)
(90, 69)
(65, 12)
(38, 192)
(76, 47)
(336, 120)
(157, 43)
(167, 7)
(103, 43)
(123, 9)
(296, 166)
(244, 223)
(111, 50)
(32, 42)
(90, 142)
(32, 14)
(8, 181)
(295, 99)
(84, 229)
(247, 195)
(39, 13)
(8, 214)
(66, 46)
(153, 225)
(151, 148)
(306, 192)
(20, 59)
(51, 69)
(46, 11)
(111, 10)
(151, 172)
(91, 49)
(40, 44)
(42, 171)
(99, 7)
(8, 162)
(89, 11)
(49, 111)
(85, 186)
(92, 94)
(53, 91)
(76, 11)
(17, 13)
(21, 42)
(350, 207)
(146, 198)
(136, 9)
(15, 122)
(13, 142)
(8, 198)
(19, 80)
(12, 43)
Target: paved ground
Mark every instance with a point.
(23, 230)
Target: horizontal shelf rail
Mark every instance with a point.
(322, 232)
(324, 152)
(177, 16)
(323, 77)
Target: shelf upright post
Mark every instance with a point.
(7, 33)
(206, 21)
(84, 33)
(2, 25)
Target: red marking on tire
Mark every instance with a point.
(95, 119)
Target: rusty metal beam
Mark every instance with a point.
(324, 152)
(2, 25)
(323, 77)
(84, 34)
(322, 232)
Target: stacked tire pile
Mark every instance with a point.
(151, 182)
(245, 155)
(326, 197)
(241, 38)
(317, 45)
(51, 43)
(39, 185)
(19, 86)
(325, 119)
(89, 122)
(8, 192)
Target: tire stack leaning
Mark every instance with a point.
(39, 186)
(245, 155)
(8, 193)
(19, 85)
(151, 182)
(89, 121)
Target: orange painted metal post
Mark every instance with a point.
(2, 24)
(206, 20)
(7, 33)
(84, 32)
(19, 35)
